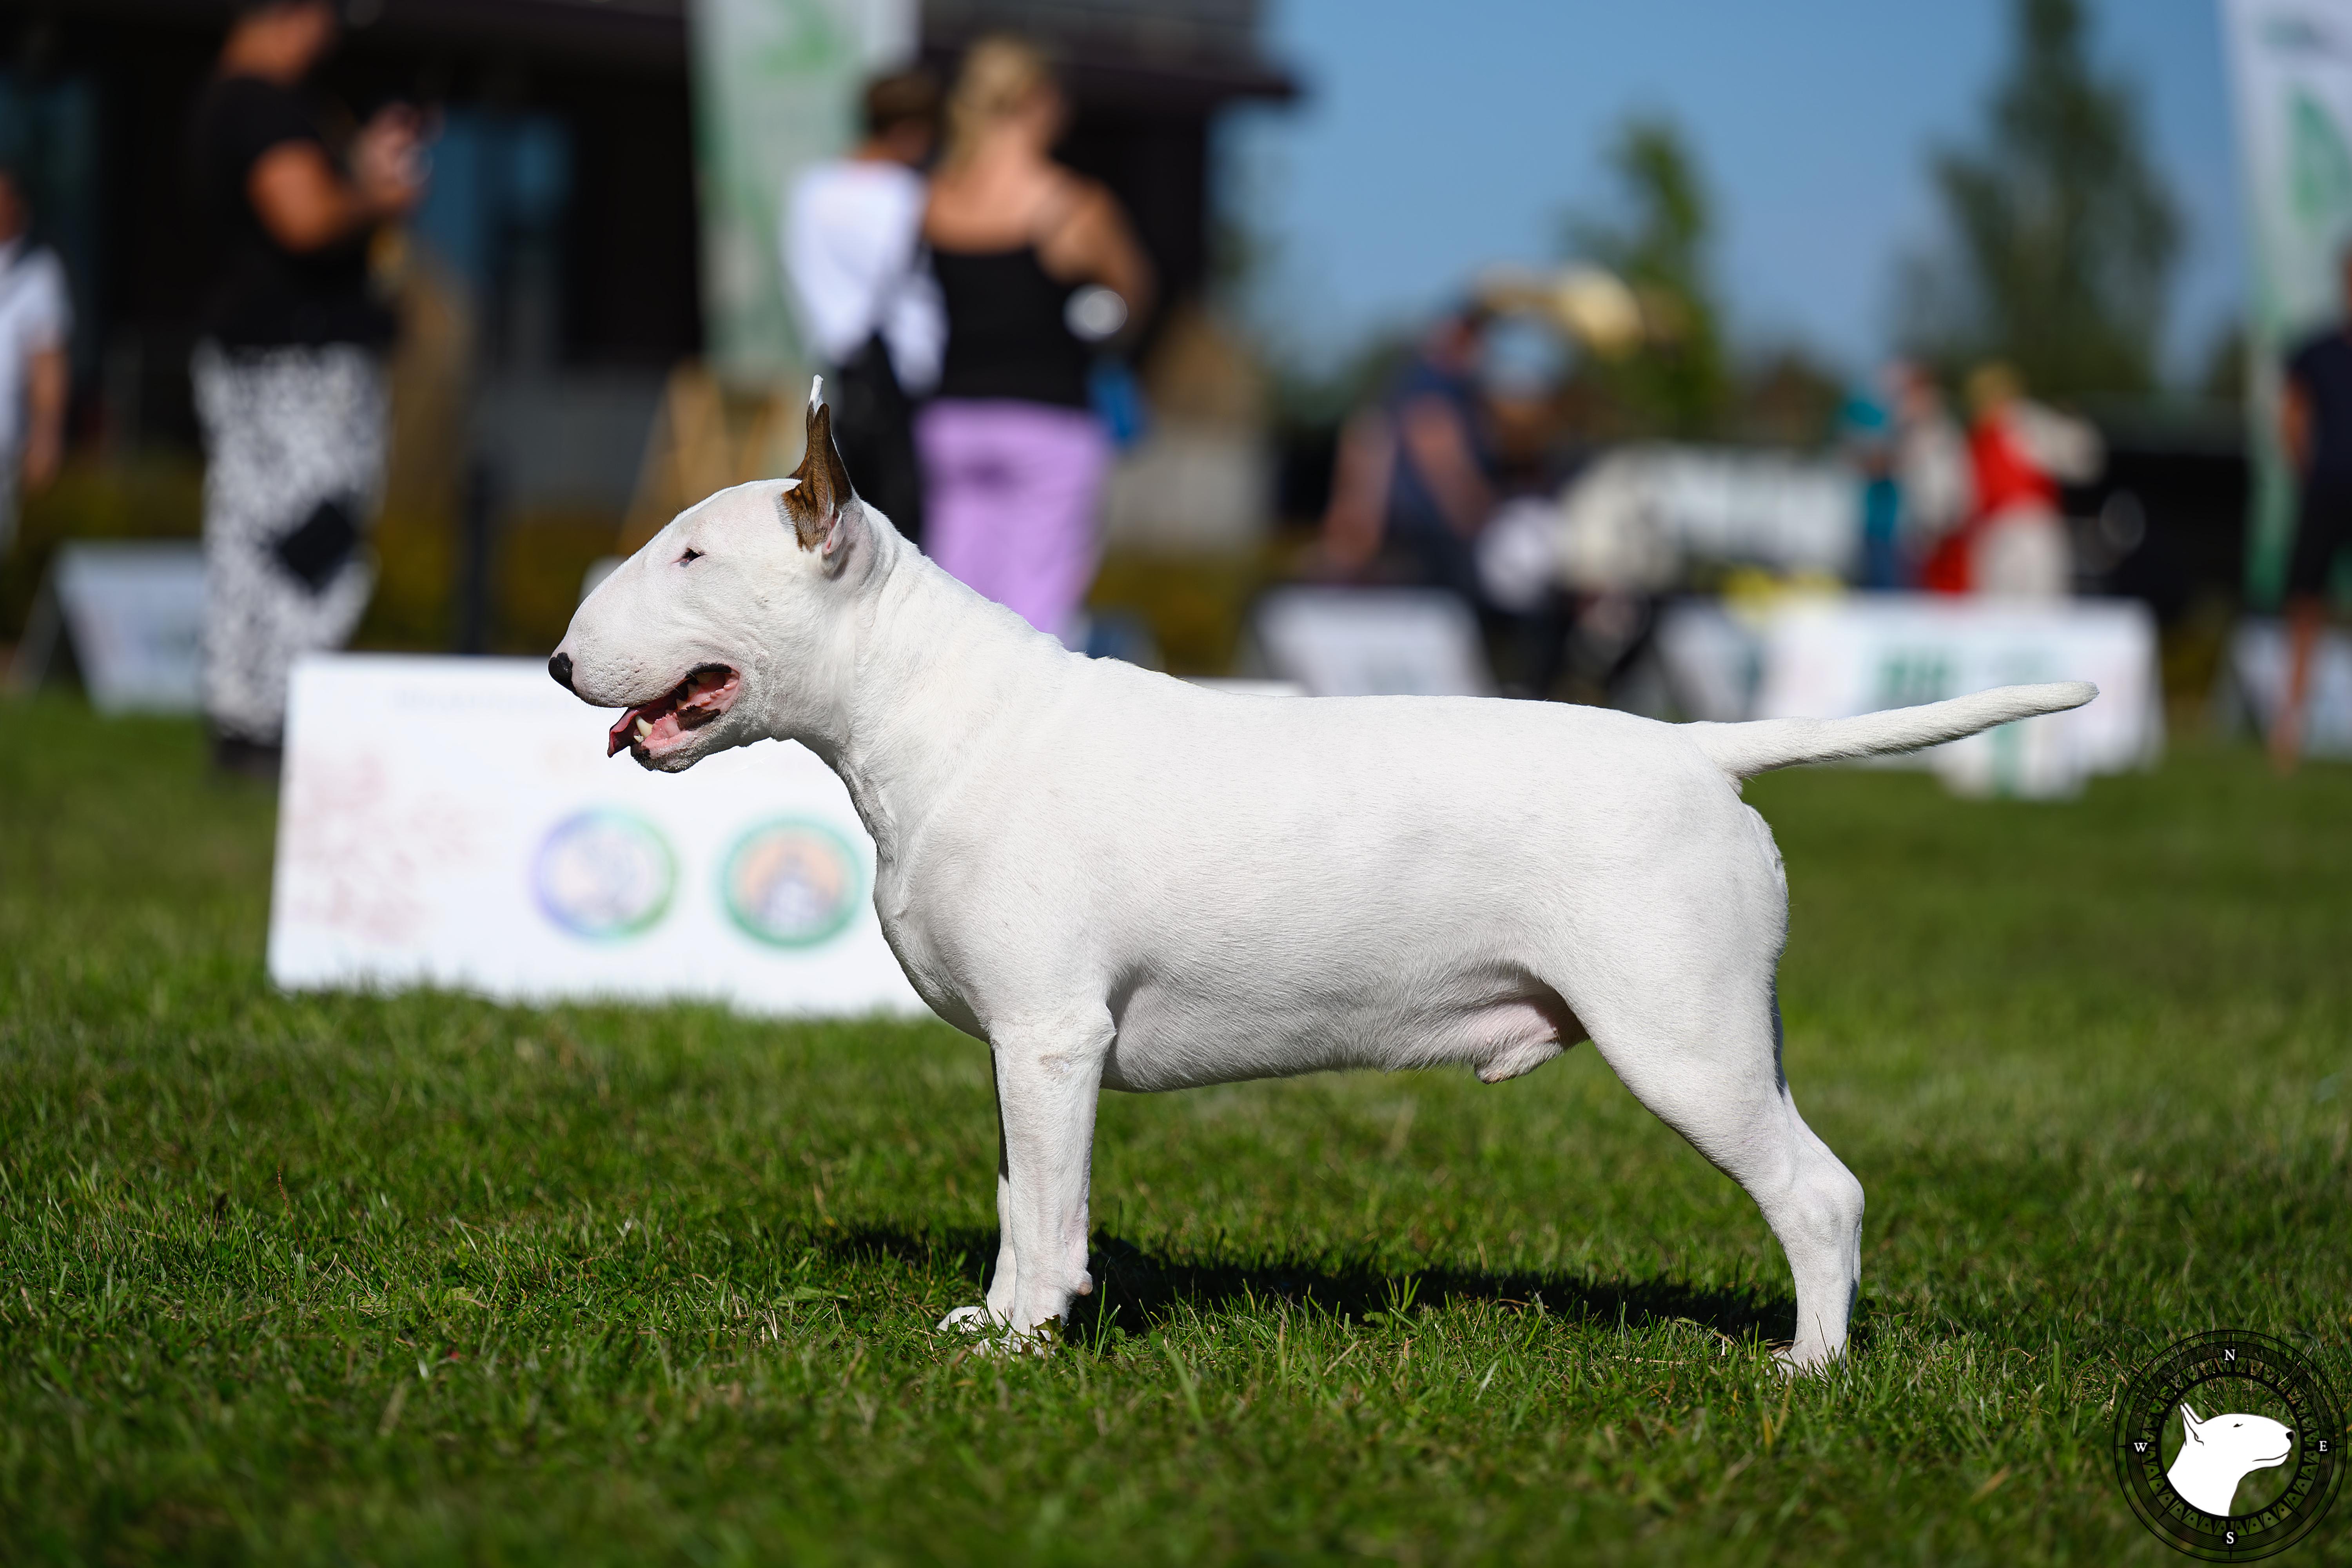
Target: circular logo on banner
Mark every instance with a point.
(792, 883)
(604, 874)
(2229, 1446)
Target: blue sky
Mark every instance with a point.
(1434, 139)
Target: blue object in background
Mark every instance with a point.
(1882, 513)
(1869, 436)
(1117, 399)
(501, 182)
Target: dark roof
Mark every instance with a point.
(650, 34)
(1171, 52)
(1163, 49)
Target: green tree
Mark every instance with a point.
(2061, 235)
(1677, 383)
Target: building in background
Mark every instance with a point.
(556, 274)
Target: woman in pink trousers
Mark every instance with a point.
(1036, 266)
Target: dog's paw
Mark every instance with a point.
(1812, 1360)
(990, 1337)
(967, 1321)
(1042, 1340)
(996, 1338)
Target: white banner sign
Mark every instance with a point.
(2291, 78)
(134, 615)
(1830, 659)
(1372, 642)
(455, 823)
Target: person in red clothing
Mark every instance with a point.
(2013, 544)
(1931, 467)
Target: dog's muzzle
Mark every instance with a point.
(656, 727)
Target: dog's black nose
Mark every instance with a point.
(560, 667)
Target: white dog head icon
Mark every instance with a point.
(2216, 1453)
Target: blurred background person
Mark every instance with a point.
(1869, 439)
(1413, 478)
(1522, 363)
(36, 320)
(1931, 467)
(2315, 426)
(2014, 543)
(289, 380)
(1035, 266)
(853, 251)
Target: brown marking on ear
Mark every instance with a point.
(824, 489)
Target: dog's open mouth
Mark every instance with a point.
(656, 727)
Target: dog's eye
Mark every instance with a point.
(691, 557)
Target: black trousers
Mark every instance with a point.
(2323, 527)
(873, 425)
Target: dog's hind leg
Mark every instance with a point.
(1709, 1066)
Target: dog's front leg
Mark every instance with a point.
(1047, 1081)
(1008, 1266)
(997, 1311)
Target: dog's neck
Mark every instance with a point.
(925, 672)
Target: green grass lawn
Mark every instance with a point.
(353, 1279)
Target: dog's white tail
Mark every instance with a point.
(1744, 750)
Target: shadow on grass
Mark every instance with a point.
(1136, 1288)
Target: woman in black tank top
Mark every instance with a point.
(1007, 331)
(1036, 268)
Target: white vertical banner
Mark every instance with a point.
(2291, 80)
(776, 85)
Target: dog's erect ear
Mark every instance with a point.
(814, 506)
(2189, 1424)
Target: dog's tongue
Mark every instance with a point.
(693, 700)
(660, 714)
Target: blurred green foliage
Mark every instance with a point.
(1678, 382)
(2061, 235)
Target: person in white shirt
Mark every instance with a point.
(1931, 466)
(853, 252)
(36, 320)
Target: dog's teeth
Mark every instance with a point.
(644, 730)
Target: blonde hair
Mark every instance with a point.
(1991, 384)
(1002, 76)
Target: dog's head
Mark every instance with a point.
(729, 626)
(2242, 1442)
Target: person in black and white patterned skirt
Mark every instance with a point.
(35, 321)
(289, 378)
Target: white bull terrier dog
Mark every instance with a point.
(2216, 1455)
(1120, 880)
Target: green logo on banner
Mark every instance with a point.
(792, 883)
